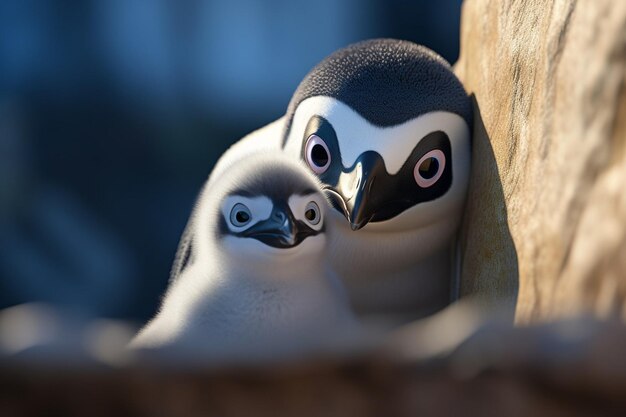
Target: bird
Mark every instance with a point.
(255, 282)
(386, 126)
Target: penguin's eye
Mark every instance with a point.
(312, 213)
(429, 168)
(240, 215)
(317, 154)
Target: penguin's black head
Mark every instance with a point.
(385, 126)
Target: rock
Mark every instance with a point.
(545, 226)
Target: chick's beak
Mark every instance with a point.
(281, 230)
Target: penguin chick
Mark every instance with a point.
(256, 282)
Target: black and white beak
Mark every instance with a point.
(367, 192)
(281, 230)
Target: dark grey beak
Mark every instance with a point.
(354, 189)
(281, 230)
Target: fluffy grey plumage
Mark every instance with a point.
(238, 297)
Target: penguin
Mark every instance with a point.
(256, 283)
(385, 125)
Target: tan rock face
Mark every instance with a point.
(545, 226)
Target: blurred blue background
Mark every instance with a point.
(113, 112)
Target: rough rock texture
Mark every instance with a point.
(546, 216)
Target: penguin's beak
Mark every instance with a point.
(354, 189)
(281, 230)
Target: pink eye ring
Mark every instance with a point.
(317, 154)
(429, 168)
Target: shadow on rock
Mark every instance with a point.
(489, 269)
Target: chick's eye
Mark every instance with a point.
(240, 215)
(429, 168)
(317, 154)
(312, 213)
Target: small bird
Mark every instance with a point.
(254, 281)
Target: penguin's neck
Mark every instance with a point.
(406, 274)
(421, 289)
(253, 292)
(303, 282)
(276, 268)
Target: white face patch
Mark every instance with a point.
(299, 206)
(258, 209)
(356, 135)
